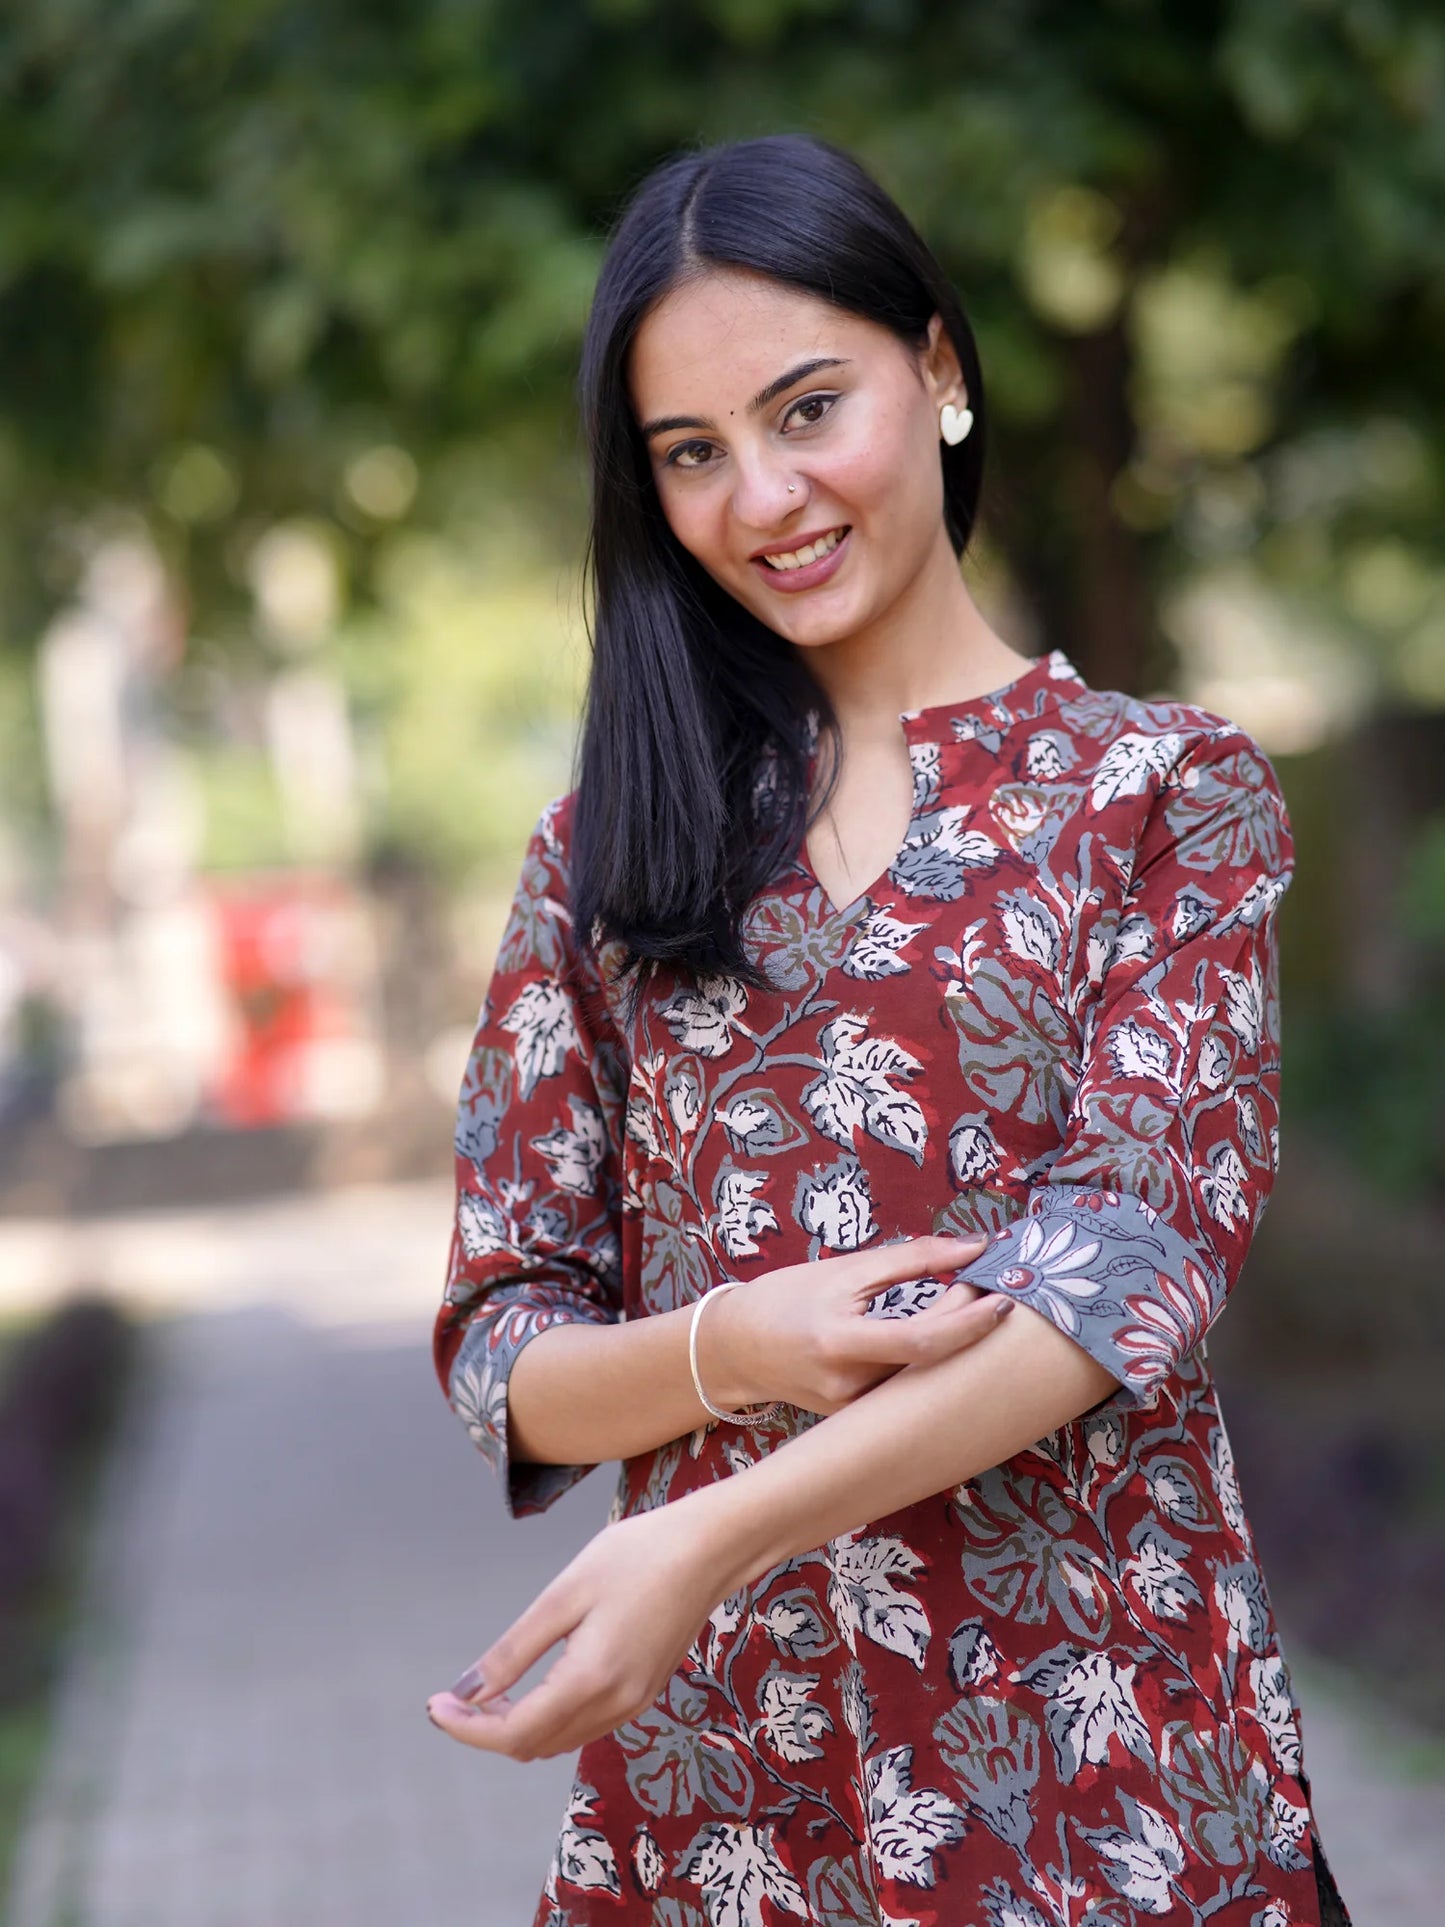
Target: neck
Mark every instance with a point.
(932, 645)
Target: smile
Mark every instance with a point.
(800, 568)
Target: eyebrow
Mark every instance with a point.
(666, 423)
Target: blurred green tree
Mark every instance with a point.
(246, 244)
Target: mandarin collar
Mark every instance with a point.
(1044, 682)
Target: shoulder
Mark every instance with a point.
(1138, 754)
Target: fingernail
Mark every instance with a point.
(471, 1680)
(435, 1721)
(1004, 1307)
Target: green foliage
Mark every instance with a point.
(256, 239)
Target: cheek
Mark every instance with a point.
(695, 518)
(883, 468)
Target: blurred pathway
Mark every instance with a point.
(298, 1544)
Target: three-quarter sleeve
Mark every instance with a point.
(1137, 1233)
(536, 1237)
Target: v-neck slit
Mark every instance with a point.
(936, 724)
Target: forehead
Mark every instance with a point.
(715, 340)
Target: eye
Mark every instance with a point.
(822, 403)
(675, 455)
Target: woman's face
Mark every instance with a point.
(742, 385)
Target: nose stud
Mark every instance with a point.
(792, 488)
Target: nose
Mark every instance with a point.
(762, 497)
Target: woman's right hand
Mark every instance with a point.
(803, 1333)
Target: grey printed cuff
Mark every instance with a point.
(1112, 1275)
(478, 1395)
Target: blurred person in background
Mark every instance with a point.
(917, 1002)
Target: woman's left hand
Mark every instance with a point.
(628, 1606)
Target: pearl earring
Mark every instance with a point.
(954, 423)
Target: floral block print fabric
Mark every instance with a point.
(1054, 1694)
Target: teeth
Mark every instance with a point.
(800, 558)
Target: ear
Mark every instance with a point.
(942, 370)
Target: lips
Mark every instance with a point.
(804, 550)
(806, 575)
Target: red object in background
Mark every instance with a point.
(295, 960)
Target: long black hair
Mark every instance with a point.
(692, 771)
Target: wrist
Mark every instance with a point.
(724, 1366)
(738, 1536)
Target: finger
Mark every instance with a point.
(540, 1724)
(529, 1636)
(874, 1271)
(935, 1333)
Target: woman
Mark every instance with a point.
(908, 984)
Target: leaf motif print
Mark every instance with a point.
(1091, 1701)
(758, 1125)
(584, 1856)
(1017, 1049)
(795, 941)
(927, 762)
(1220, 1797)
(973, 1658)
(1240, 1596)
(1129, 762)
(1138, 1050)
(671, 1912)
(1142, 1862)
(482, 1103)
(703, 1017)
(678, 1759)
(1224, 816)
(839, 1895)
(1049, 753)
(1174, 1492)
(836, 1206)
(973, 1153)
(1223, 1189)
(1157, 1573)
(939, 856)
(575, 1157)
(1251, 1136)
(1244, 1007)
(857, 1087)
(991, 1748)
(1021, 1560)
(795, 1625)
(1274, 1708)
(482, 1226)
(683, 1094)
(647, 1860)
(863, 1598)
(788, 1719)
(1002, 1907)
(907, 1824)
(641, 1125)
(1031, 930)
(737, 1868)
(675, 1270)
(1286, 1829)
(857, 1706)
(541, 1021)
(741, 1214)
(873, 952)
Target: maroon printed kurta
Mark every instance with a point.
(1054, 1694)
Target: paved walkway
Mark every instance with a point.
(298, 1545)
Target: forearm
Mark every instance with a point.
(580, 1394)
(924, 1430)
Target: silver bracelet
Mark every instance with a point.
(738, 1418)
